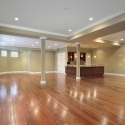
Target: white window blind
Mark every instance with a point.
(4, 53)
(14, 54)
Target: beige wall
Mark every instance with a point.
(35, 61)
(24, 60)
(3, 63)
(109, 57)
(50, 61)
(27, 61)
(73, 49)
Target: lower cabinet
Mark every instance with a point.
(85, 71)
(70, 70)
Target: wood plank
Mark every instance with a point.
(62, 101)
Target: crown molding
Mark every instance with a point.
(42, 37)
(32, 30)
(64, 35)
(63, 47)
(77, 43)
(99, 22)
(83, 46)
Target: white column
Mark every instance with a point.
(43, 80)
(78, 62)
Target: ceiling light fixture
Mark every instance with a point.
(32, 45)
(11, 43)
(49, 46)
(16, 18)
(90, 18)
(70, 30)
(36, 42)
(55, 44)
(13, 40)
(122, 39)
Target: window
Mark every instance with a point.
(3, 53)
(14, 54)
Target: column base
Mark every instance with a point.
(43, 82)
(78, 78)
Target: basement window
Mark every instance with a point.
(4, 53)
(14, 54)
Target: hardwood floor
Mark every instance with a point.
(62, 101)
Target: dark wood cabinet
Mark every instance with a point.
(85, 71)
(71, 56)
(82, 56)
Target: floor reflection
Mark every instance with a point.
(3, 92)
(14, 90)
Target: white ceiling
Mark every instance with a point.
(116, 37)
(53, 15)
(15, 41)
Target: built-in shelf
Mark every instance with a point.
(72, 56)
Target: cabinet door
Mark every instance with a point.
(70, 56)
(61, 62)
(82, 56)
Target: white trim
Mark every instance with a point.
(10, 72)
(51, 72)
(78, 78)
(99, 22)
(43, 82)
(32, 30)
(27, 72)
(63, 47)
(42, 37)
(82, 46)
(114, 74)
(61, 73)
(77, 43)
(64, 35)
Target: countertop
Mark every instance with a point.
(85, 66)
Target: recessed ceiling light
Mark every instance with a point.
(49, 46)
(11, 43)
(32, 45)
(70, 30)
(13, 40)
(55, 44)
(122, 39)
(16, 18)
(90, 18)
(36, 42)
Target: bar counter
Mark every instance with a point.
(92, 70)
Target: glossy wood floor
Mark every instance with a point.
(62, 101)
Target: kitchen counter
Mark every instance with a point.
(85, 70)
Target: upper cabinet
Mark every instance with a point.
(72, 56)
(82, 56)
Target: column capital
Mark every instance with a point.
(77, 43)
(43, 37)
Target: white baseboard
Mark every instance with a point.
(26, 72)
(43, 82)
(78, 78)
(13, 72)
(114, 74)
